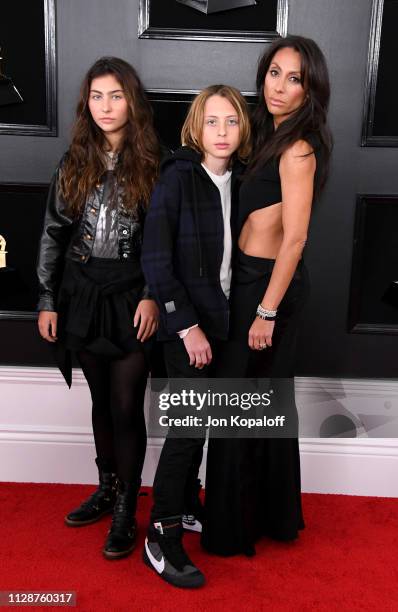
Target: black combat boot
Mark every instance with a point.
(99, 503)
(122, 535)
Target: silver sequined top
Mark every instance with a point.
(106, 242)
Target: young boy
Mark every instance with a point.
(186, 258)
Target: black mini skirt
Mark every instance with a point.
(96, 306)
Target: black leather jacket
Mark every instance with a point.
(64, 236)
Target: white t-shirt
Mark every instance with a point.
(223, 183)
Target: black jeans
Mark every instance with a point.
(176, 485)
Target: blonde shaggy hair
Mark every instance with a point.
(192, 130)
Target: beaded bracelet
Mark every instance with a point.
(265, 314)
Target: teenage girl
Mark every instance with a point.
(93, 298)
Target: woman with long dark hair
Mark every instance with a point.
(93, 299)
(253, 485)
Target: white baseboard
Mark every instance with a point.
(45, 433)
(350, 467)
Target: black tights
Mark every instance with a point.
(117, 390)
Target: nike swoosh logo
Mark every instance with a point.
(158, 565)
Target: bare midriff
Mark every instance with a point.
(262, 232)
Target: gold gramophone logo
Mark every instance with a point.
(3, 252)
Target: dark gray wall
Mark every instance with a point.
(89, 28)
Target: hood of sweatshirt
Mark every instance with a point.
(187, 154)
(183, 154)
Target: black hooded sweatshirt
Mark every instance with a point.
(183, 246)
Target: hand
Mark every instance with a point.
(260, 334)
(147, 315)
(198, 348)
(47, 324)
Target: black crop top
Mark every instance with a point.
(260, 190)
(263, 189)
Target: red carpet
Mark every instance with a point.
(346, 559)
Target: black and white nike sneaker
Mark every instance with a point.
(190, 522)
(164, 553)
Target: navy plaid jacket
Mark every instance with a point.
(183, 245)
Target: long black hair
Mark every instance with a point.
(308, 122)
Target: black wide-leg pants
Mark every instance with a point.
(254, 484)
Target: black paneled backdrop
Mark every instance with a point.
(170, 14)
(385, 115)
(22, 210)
(343, 29)
(375, 266)
(22, 39)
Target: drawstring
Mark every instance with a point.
(195, 207)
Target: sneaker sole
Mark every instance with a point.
(118, 555)
(192, 528)
(71, 523)
(169, 579)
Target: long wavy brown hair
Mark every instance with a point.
(85, 161)
(309, 122)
